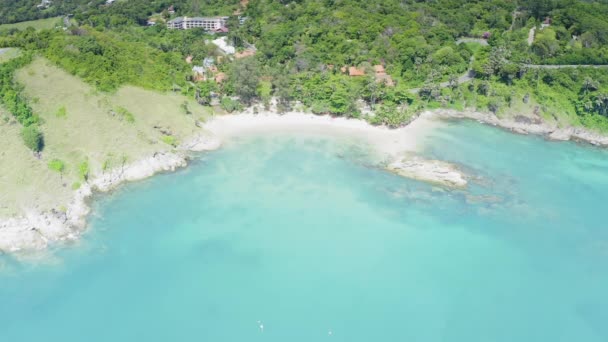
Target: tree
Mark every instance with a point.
(281, 90)
(589, 85)
(245, 75)
(32, 137)
(546, 44)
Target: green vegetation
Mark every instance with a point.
(10, 91)
(13, 100)
(124, 114)
(169, 140)
(344, 57)
(84, 170)
(61, 112)
(32, 137)
(40, 24)
(230, 105)
(392, 116)
(245, 77)
(57, 166)
(107, 61)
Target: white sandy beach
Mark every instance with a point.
(391, 142)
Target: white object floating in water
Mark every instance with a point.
(261, 326)
(330, 333)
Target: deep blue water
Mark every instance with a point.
(304, 236)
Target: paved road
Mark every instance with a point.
(564, 66)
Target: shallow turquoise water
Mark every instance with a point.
(303, 236)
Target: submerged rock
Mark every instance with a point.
(431, 171)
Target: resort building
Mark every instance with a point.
(44, 4)
(206, 23)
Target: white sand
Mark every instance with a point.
(391, 142)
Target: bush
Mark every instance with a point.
(32, 137)
(230, 105)
(169, 140)
(57, 165)
(319, 107)
(83, 170)
(61, 112)
(392, 116)
(124, 114)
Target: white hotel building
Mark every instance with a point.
(206, 23)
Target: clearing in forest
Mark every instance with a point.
(40, 24)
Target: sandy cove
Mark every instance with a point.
(399, 146)
(35, 230)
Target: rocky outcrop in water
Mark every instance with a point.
(431, 171)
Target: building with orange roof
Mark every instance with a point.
(355, 72)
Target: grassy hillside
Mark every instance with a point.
(83, 127)
(24, 179)
(40, 24)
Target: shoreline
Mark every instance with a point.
(387, 141)
(35, 231)
(524, 125)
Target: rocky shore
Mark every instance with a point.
(35, 230)
(525, 125)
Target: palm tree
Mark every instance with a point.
(601, 103)
(589, 84)
(588, 105)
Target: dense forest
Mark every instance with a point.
(486, 55)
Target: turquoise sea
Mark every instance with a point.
(280, 238)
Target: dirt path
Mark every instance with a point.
(531, 35)
(480, 41)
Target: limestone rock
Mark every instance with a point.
(431, 171)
